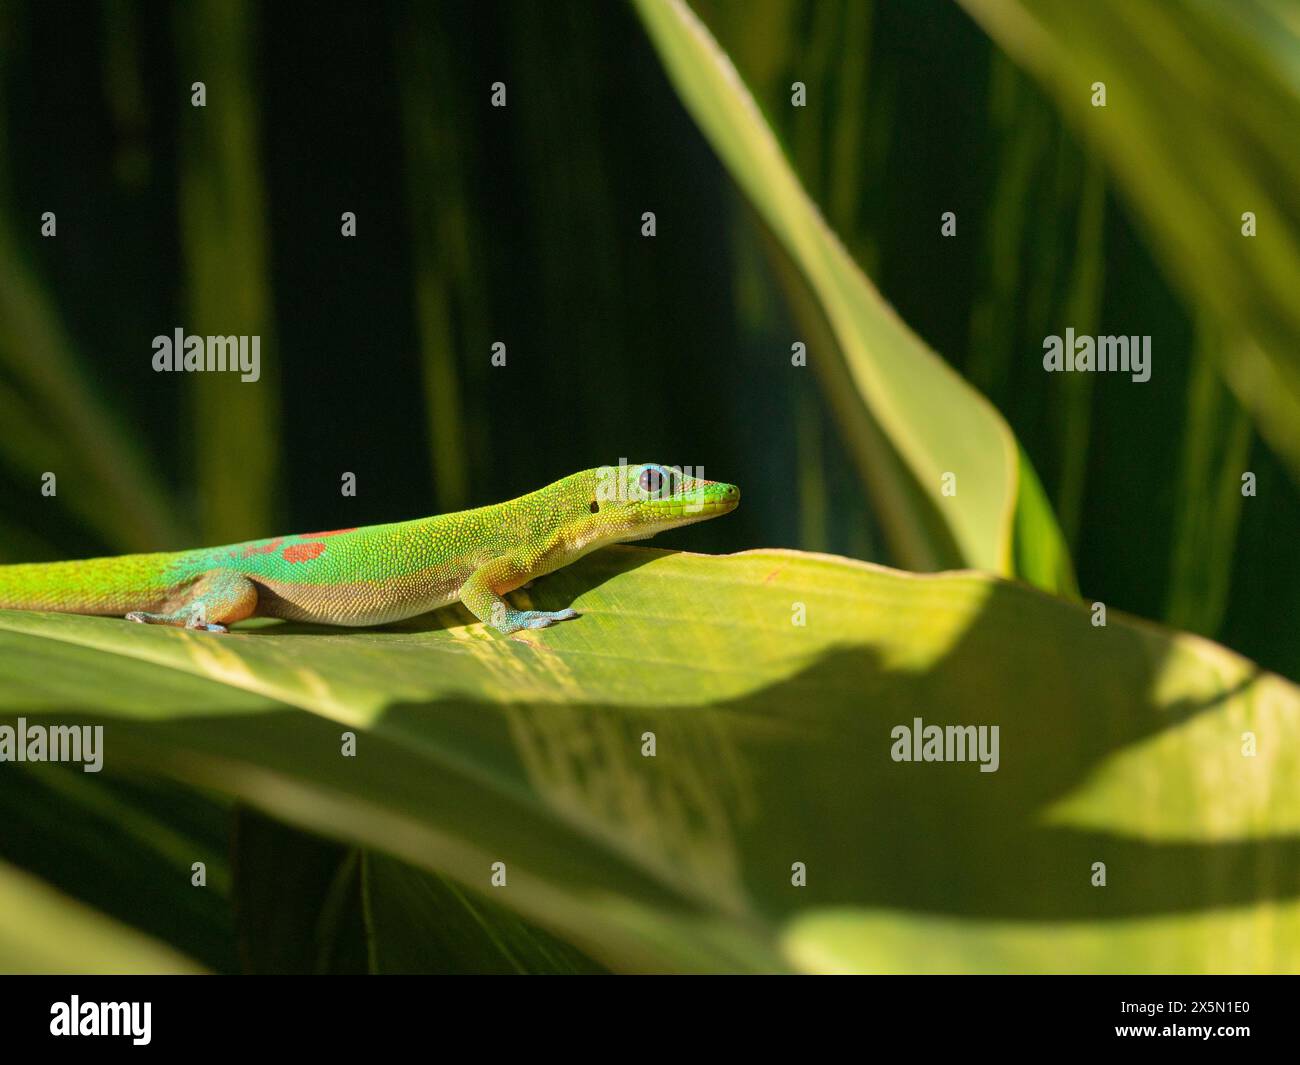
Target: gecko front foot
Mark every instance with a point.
(514, 620)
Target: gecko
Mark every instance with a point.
(376, 574)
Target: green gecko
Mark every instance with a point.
(382, 573)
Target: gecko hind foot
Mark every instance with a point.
(539, 619)
(224, 595)
(141, 617)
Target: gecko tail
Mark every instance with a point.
(106, 586)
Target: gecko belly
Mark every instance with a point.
(354, 602)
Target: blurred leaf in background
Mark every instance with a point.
(85, 941)
(231, 425)
(54, 420)
(949, 490)
(1201, 101)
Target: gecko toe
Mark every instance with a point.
(541, 619)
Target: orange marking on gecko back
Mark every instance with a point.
(265, 549)
(302, 552)
(333, 532)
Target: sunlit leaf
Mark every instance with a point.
(771, 683)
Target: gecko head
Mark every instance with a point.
(633, 502)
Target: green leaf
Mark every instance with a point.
(224, 238)
(444, 243)
(423, 923)
(1120, 744)
(43, 932)
(310, 905)
(125, 848)
(54, 420)
(855, 941)
(1215, 451)
(298, 900)
(908, 418)
(1202, 105)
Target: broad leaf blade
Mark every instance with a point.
(1119, 743)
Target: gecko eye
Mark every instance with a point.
(595, 507)
(651, 481)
